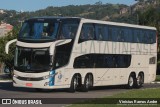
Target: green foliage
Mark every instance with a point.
(151, 17)
(158, 78)
(3, 40)
(96, 11)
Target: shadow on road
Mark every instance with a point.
(8, 86)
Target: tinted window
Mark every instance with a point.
(152, 37)
(68, 30)
(84, 61)
(102, 61)
(101, 32)
(48, 29)
(87, 32)
(39, 30)
(117, 34)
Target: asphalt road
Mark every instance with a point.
(8, 91)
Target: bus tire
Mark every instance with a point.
(43, 90)
(88, 83)
(131, 81)
(74, 84)
(139, 80)
(38, 89)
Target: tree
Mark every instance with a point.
(9, 36)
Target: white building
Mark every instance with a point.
(5, 28)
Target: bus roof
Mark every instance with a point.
(118, 24)
(96, 21)
(52, 17)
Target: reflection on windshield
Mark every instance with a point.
(32, 59)
(48, 30)
(39, 30)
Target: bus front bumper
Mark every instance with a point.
(43, 84)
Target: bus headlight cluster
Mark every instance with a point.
(46, 77)
(49, 76)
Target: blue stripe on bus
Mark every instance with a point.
(51, 78)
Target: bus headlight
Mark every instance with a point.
(46, 77)
(49, 76)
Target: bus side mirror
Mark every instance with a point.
(8, 44)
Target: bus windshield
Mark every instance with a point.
(27, 59)
(48, 29)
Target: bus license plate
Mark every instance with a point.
(29, 84)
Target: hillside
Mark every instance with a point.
(97, 11)
(144, 12)
(100, 11)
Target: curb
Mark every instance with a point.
(156, 82)
(3, 81)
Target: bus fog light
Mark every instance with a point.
(46, 83)
(15, 76)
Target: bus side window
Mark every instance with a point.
(114, 33)
(137, 36)
(87, 33)
(118, 34)
(100, 61)
(110, 61)
(152, 37)
(82, 35)
(122, 61)
(90, 34)
(84, 61)
(127, 35)
(144, 37)
(123, 35)
(100, 32)
(110, 33)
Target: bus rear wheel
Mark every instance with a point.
(131, 81)
(139, 80)
(88, 83)
(74, 84)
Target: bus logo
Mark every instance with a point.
(60, 76)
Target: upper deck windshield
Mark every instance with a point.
(48, 29)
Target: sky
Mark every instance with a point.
(33, 5)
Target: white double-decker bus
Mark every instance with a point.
(78, 53)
